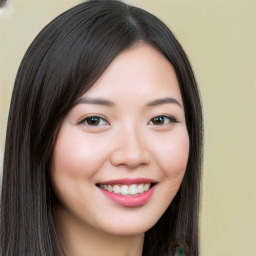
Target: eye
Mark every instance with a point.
(162, 120)
(94, 121)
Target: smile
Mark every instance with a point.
(128, 193)
(129, 189)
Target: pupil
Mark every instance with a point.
(158, 120)
(93, 121)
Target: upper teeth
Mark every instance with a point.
(132, 189)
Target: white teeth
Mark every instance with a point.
(110, 189)
(146, 187)
(133, 189)
(140, 189)
(124, 190)
(117, 189)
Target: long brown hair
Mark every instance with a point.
(61, 64)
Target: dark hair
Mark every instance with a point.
(61, 64)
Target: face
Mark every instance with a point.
(122, 151)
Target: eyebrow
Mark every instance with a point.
(104, 102)
(96, 101)
(163, 101)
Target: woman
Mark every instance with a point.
(103, 146)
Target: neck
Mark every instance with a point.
(80, 239)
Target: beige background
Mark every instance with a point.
(219, 38)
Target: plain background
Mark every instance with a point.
(219, 38)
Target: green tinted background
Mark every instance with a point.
(219, 38)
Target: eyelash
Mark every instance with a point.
(169, 118)
(85, 120)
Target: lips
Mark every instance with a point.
(128, 192)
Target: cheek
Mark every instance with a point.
(173, 156)
(77, 158)
(76, 154)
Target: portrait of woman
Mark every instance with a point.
(104, 139)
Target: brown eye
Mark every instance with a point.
(94, 121)
(162, 120)
(159, 120)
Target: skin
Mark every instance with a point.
(125, 142)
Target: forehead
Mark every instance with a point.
(139, 73)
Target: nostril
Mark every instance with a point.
(130, 159)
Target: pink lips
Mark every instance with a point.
(127, 200)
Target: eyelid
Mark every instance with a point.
(91, 116)
(171, 119)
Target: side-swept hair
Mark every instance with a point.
(61, 64)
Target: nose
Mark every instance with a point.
(130, 150)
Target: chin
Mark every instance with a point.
(131, 225)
